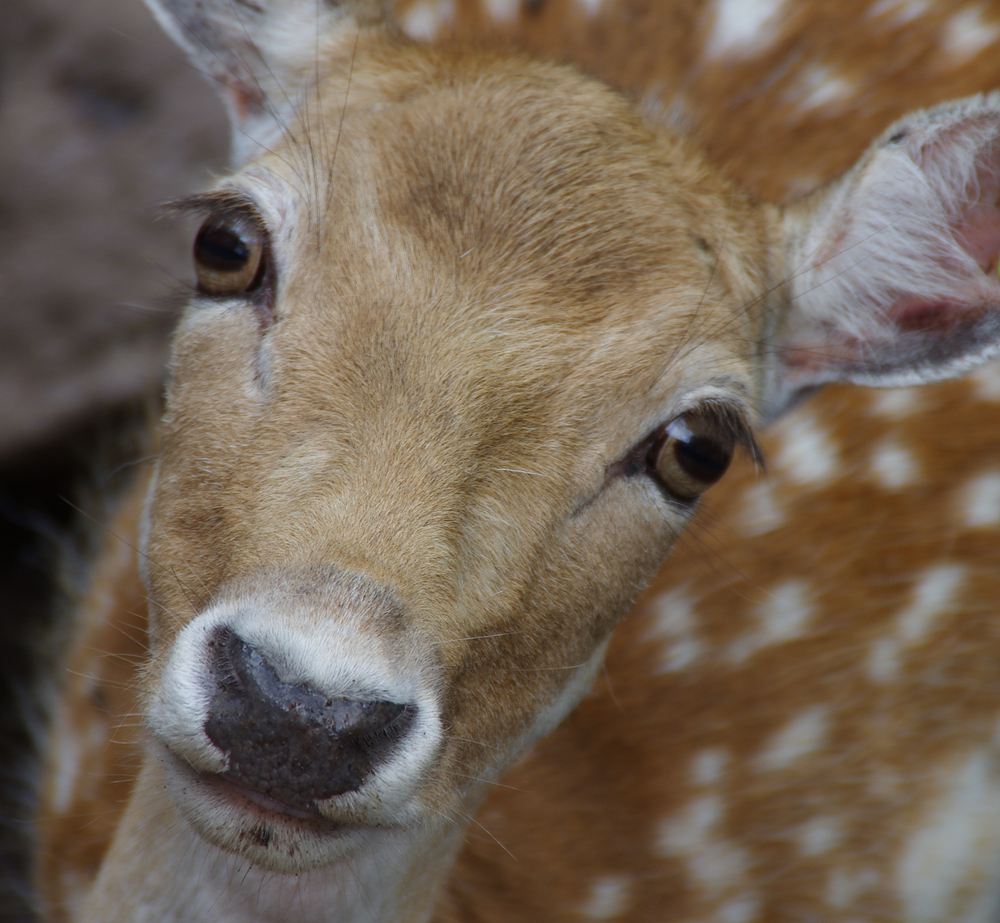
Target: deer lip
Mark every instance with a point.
(234, 793)
(267, 802)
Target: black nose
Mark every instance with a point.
(290, 741)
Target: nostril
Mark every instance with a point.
(289, 741)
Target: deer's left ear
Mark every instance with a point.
(263, 53)
(892, 269)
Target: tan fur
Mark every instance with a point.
(395, 373)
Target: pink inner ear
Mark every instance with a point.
(901, 280)
(804, 359)
(245, 99)
(978, 232)
(941, 317)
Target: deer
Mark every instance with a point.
(386, 633)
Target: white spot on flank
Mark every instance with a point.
(956, 849)
(682, 653)
(782, 617)
(742, 909)
(609, 898)
(69, 754)
(895, 403)
(741, 26)
(760, 512)
(713, 862)
(807, 454)
(819, 836)
(893, 466)
(718, 866)
(673, 622)
(707, 767)
(673, 612)
(981, 500)
(786, 613)
(883, 660)
(967, 33)
(590, 7)
(501, 10)
(901, 11)
(803, 735)
(933, 595)
(691, 829)
(425, 18)
(845, 886)
(819, 85)
(987, 379)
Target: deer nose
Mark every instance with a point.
(289, 741)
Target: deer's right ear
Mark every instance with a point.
(262, 53)
(892, 269)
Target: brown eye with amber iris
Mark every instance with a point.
(228, 255)
(693, 452)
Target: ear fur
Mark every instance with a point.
(261, 53)
(892, 269)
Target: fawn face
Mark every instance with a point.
(469, 342)
(430, 430)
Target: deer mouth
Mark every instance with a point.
(237, 794)
(243, 804)
(272, 835)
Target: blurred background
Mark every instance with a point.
(101, 119)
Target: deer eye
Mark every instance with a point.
(229, 254)
(691, 453)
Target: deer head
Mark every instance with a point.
(469, 341)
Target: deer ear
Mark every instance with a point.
(892, 269)
(261, 53)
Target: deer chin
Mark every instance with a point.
(281, 838)
(254, 862)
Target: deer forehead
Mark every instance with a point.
(485, 295)
(544, 250)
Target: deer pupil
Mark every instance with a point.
(703, 459)
(221, 250)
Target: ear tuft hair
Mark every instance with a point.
(262, 53)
